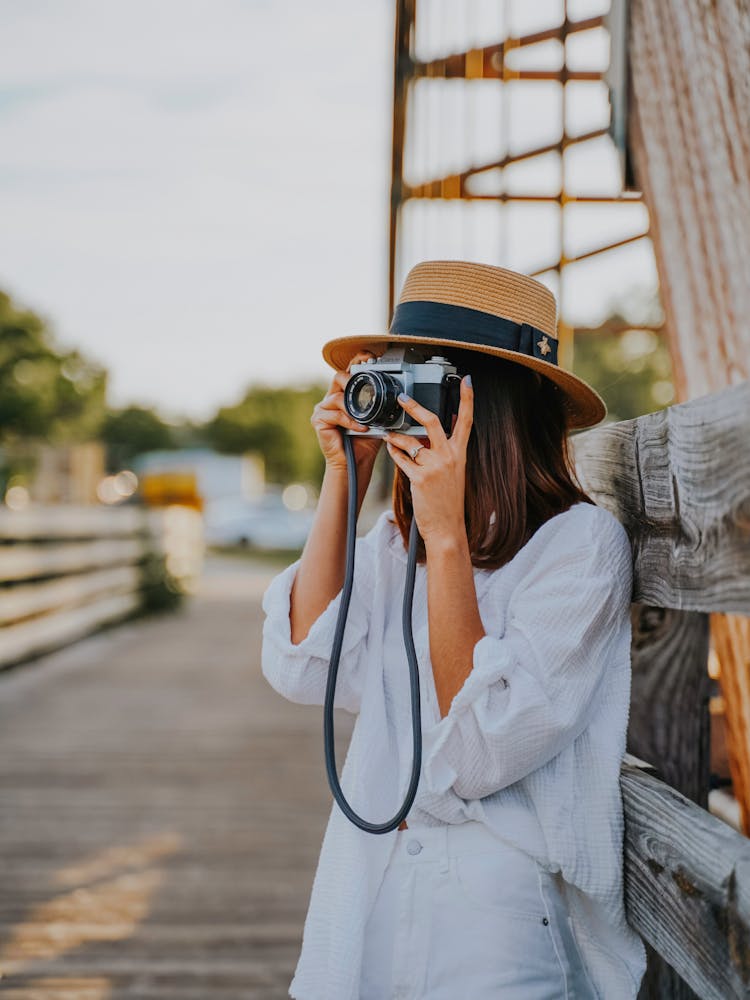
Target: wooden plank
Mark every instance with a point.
(23, 562)
(25, 600)
(163, 809)
(63, 521)
(687, 886)
(670, 727)
(669, 722)
(18, 642)
(679, 481)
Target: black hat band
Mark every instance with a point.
(443, 321)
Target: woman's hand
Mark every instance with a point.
(438, 477)
(320, 575)
(438, 473)
(329, 416)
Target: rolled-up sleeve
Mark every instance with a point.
(531, 690)
(299, 671)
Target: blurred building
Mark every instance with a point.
(57, 474)
(195, 477)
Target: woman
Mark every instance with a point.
(506, 879)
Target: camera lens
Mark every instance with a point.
(363, 397)
(370, 398)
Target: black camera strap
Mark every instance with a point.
(411, 655)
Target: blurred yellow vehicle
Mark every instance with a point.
(167, 487)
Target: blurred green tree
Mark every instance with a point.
(275, 422)
(45, 392)
(628, 365)
(133, 430)
(631, 371)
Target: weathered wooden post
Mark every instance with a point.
(679, 480)
(688, 134)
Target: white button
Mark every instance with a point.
(413, 847)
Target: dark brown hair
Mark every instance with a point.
(518, 466)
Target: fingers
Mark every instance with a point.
(465, 419)
(358, 358)
(330, 411)
(402, 460)
(335, 418)
(341, 377)
(426, 418)
(406, 442)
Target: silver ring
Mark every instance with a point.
(415, 451)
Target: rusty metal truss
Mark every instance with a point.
(483, 63)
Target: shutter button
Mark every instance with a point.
(413, 847)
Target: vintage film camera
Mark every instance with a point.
(370, 394)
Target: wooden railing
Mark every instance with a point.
(66, 571)
(679, 481)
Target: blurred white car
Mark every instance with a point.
(266, 523)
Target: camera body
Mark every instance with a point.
(370, 396)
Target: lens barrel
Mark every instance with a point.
(370, 398)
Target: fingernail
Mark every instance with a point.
(467, 379)
(403, 398)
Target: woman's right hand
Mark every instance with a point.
(329, 416)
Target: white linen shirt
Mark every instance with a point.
(531, 745)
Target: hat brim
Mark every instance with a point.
(584, 405)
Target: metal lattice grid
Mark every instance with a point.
(489, 159)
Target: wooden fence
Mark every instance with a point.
(679, 481)
(66, 571)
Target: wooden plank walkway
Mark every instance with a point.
(162, 810)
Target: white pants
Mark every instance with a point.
(461, 913)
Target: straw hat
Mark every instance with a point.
(484, 308)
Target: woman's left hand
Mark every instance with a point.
(438, 472)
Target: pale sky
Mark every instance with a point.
(196, 193)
